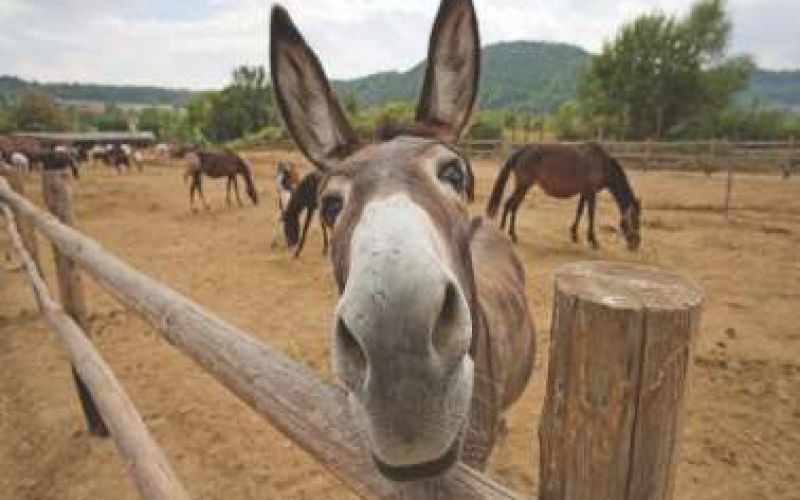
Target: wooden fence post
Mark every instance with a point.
(621, 348)
(55, 192)
(26, 230)
(728, 190)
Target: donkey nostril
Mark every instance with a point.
(446, 330)
(353, 364)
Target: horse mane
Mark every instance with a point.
(619, 185)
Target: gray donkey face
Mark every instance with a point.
(400, 251)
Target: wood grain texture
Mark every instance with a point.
(621, 343)
(55, 191)
(24, 224)
(312, 413)
(145, 460)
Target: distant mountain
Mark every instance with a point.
(128, 94)
(532, 75)
(540, 76)
(774, 88)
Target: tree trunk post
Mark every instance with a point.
(622, 341)
(55, 192)
(26, 230)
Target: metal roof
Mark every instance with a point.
(90, 136)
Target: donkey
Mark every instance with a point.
(216, 164)
(432, 335)
(562, 171)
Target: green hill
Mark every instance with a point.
(129, 94)
(531, 75)
(540, 76)
(774, 88)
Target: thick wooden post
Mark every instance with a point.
(24, 223)
(145, 459)
(55, 191)
(621, 347)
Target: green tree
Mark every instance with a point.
(36, 111)
(111, 119)
(660, 71)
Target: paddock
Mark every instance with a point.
(740, 438)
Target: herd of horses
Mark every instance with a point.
(432, 333)
(29, 157)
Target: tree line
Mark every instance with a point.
(659, 77)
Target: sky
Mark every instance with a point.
(196, 43)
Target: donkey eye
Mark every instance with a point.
(330, 208)
(453, 174)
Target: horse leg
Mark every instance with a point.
(200, 191)
(236, 190)
(516, 201)
(302, 242)
(506, 211)
(578, 214)
(192, 189)
(276, 228)
(590, 233)
(228, 192)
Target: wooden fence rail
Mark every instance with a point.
(311, 412)
(705, 155)
(621, 348)
(146, 462)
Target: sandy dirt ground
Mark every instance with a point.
(742, 434)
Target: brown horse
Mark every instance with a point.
(303, 199)
(432, 335)
(216, 164)
(562, 171)
(286, 180)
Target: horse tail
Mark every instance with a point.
(500, 184)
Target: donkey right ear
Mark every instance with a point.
(304, 96)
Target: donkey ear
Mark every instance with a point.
(451, 79)
(304, 96)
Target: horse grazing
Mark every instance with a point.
(215, 165)
(562, 171)
(303, 199)
(432, 336)
(59, 160)
(286, 179)
(19, 161)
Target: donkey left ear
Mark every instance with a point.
(304, 95)
(451, 78)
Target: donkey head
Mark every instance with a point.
(400, 245)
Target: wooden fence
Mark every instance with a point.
(314, 414)
(756, 156)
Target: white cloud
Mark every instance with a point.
(196, 44)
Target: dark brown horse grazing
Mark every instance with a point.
(303, 199)
(216, 164)
(432, 336)
(286, 179)
(562, 171)
(59, 160)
